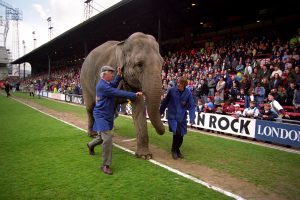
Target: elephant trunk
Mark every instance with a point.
(153, 95)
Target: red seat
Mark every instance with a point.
(288, 108)
(293, 114)
(240, 103)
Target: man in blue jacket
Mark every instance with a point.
(103, 113)
(179, 99)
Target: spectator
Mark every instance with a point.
(248, 69)
(275, 82)
(263, 72)
(282, 95)
(259, 93)
(290, 94)
(274, 93)
(240, 67)
(218, 99)
(234, 91)
(276, 71)
(228, 107)
(210, 104)
(246, 85)
(297, 71)
(253, 81)
(296, 100)
(31, 89)
(211, 85)
(7, 88)
(267, 113)
(237, 111)
(265, 83)
(276, 107)
(39, 88)
(203, 90)
(221, 87)
(252, 111)
(291, 74)
(200, 107)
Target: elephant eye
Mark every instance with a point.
(139, 64)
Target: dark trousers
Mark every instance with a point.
(177, 141)
(7, 93)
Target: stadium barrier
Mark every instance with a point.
(263, 130)
(269, 131)
(71, 98)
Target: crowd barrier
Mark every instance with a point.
(263, 130)
(269, 131)
(71, 98)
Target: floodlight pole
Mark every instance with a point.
(50, 27)
(159, 30)
(34, 39)
(49, 66)
(24, 48)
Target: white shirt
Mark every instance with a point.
(279, 72)
(249, 112)
(276, 107)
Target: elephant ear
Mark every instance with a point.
(120, 56)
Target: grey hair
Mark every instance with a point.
(102, 74)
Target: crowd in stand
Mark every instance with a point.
(223, 78)
(64, 80)
(234, 74)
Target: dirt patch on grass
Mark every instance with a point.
(235, 185)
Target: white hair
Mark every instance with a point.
(102, 74)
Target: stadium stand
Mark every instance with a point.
(194, 41)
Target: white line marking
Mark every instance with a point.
(196, 180)
(192, 178)
(129, 140)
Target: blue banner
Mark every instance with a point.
(280, 133)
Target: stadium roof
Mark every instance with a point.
(164, 19)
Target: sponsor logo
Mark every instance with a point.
(281, 133)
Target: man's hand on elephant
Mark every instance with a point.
(138, 94)
(119, 71)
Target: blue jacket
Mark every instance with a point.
(178, 103)
(104, 109)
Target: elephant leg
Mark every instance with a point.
(89, 109)
(140, 123)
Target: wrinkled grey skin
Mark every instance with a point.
(141, 64)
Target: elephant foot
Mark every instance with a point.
(160, 131)
(143, 155)
(92, 133)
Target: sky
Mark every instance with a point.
(65, 14)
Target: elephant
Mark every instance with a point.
(141, 65)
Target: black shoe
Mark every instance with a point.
(106, 170)
(180, 155)
(174, 155)
(91, 149)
